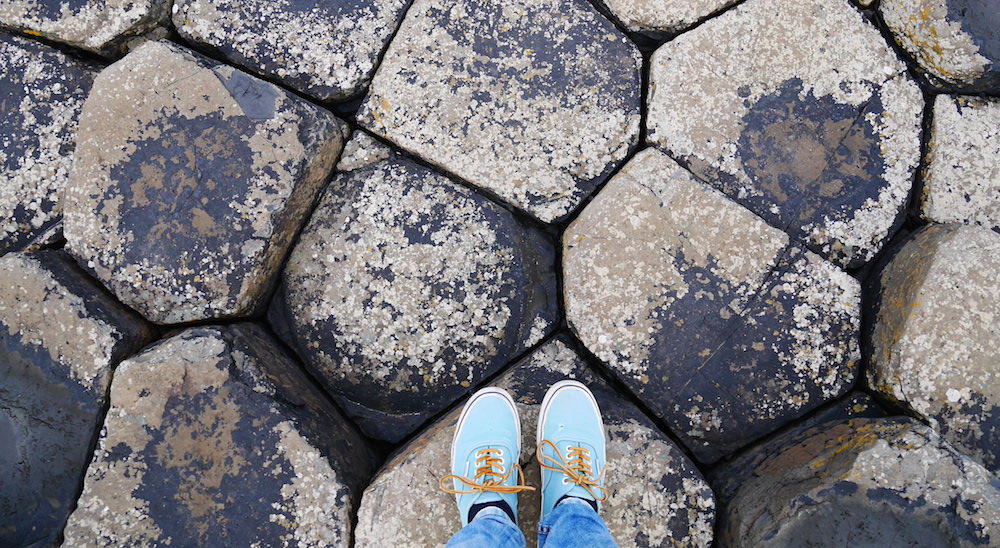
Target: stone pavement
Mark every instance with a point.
(254, 256)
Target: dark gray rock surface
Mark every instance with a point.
(406, 289)
(60, 336)
(217, 438)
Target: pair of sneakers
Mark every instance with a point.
(484, 454)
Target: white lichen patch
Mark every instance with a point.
(533, 101)
(962, 177)
(362, 150)
(663, 16)
(94, 25)
(327, 50)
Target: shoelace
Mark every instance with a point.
(576, 466)
(488, 462)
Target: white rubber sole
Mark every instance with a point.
(550, 395)
(491, 390)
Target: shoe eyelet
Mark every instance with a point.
(499, 452)
(565, 481)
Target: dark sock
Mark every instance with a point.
(592, 503)
(499, 504)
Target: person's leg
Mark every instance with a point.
(571, 453)
(491, 528)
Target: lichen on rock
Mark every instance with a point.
(662, 18)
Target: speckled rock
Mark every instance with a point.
(800, 112)
(662, 18)
(362, 150)
(936, 336)
(60, 336)
(864, 482)
(957, 42)
(962, 173)
(720, 324)
(41, 94)
(406, 289)
(190, 180)
(216, 438)
(101, 26)
(533, 101)
(656, 496)
(327, 50)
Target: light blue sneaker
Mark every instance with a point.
(571, 445)
(484, 453)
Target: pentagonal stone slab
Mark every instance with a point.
(41, 93)
(936, 338)
(864, 482)
(533, 101)
(60, 336)
(327, 50)
(955, 41)
(189, 182)
(962, 175)
(656, 495)
(661, 18)
(798, 111)
(96, 25)
(708, 314)
(214, 437)
(405, 289)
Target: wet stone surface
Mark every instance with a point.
(101, 26)
(189, 182)
(957, 42)
(660, 19)
(406, 289)
(327, 50)
(214, 437)
(726, 338)
(60, 336)
(799, 111)
(962, 175)
(864, 482)
(656, 495)
(534, 101)
(41, 93)
(936, 337)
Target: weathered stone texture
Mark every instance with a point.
(661, 18)
(362, 150)
(533, 101)
(100, 26)
(798, 111)
(216, 438)
(190, 180)
(864, 482)
(41, 94)
(724, 328)
(962, 174)
(936, 337)
(60, 336)
(957, 42)
(327, 50)
(406, 289)
(656, 495)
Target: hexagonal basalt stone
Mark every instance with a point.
(189, 182)
(957, 42)
(656, 495)
(936, 336)
(533, 101)
(864, 482)
(60, 336)
(41, 94)
(327, 50)
(962, 174)
(662, 18)
(800, 112)
(216, 438)
(101, 26)
(405, 289)
(708, 314)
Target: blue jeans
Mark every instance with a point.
(572, 523)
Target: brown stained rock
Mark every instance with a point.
(717, 322)
(936, 338)
(962, 173)
(864, 482)
(662, 18)
(657, 497)
(800, 112)
(190, 180)
(216, 438)
(60, 337)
